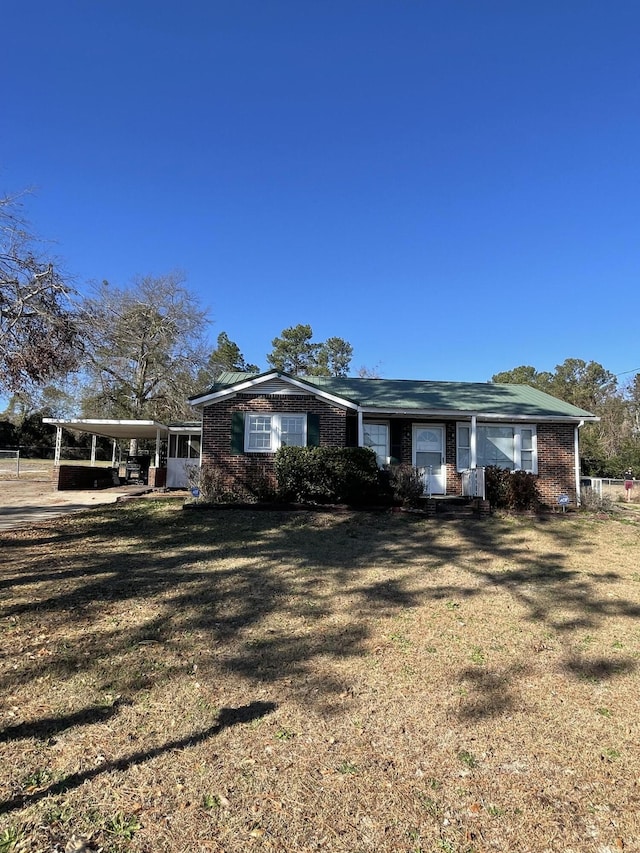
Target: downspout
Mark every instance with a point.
(577, 460)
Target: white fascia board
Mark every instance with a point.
(231, 390)
(448, 414)
(79, 422)
(255, 383)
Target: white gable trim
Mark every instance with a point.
(254, 384)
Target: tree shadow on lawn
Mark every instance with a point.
(226, 718)
(222, 577)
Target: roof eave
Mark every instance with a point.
(247, 385)
(467, 414)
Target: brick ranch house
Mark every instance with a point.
(449, 430)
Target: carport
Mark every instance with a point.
(68, 476)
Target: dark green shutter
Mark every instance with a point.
(396, 441)
(351, 431)
(237, 433)
(313, 430)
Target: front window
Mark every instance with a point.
(266, 433)
(259, 428)
(292, 431)
(503, 445)
(376, 436)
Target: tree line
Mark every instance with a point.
(611, 446)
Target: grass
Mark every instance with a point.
(271, 681)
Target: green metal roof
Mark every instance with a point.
(413, 394)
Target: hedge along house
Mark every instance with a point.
(450, 431)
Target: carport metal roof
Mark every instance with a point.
(111, 428)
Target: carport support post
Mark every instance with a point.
(113, 453)
(94, 438)
(360, 429)
(56, 455)
(157, 462)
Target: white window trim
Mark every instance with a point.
(276, 430)
(517, 436)
(386, 424)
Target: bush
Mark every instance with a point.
(514, 490)
(405, 484)
(212, 485)
(327, 474)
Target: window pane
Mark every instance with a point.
(495, 447)
(376, 437)
(183, 447)
(526, 439)
(526, 460)
(464, 436)
(292, 431)
(195, 446)
(259, 432)
(464, 457)
(172, 446)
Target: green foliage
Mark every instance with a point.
(333, 358)
(226, 356)
(513, 490)
(327, 474)
(611, 445)
(9, 838)
(124, 826)
(295, 352)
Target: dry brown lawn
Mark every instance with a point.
(273, 681)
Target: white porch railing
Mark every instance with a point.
(473, 485)
(427, 480)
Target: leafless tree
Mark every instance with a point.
(38, 333)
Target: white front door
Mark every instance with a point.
(428, 454)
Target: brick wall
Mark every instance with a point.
(556, 471)
(248, 472)
(66, 477)
(556, 463)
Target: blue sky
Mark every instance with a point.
(452, 186)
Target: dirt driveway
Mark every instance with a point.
(27, 502)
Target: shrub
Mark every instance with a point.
(496, 483)
(591, 501)
(327, 474)
(523, 491)
(515, 490)
(405, 484)
(211, 482)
